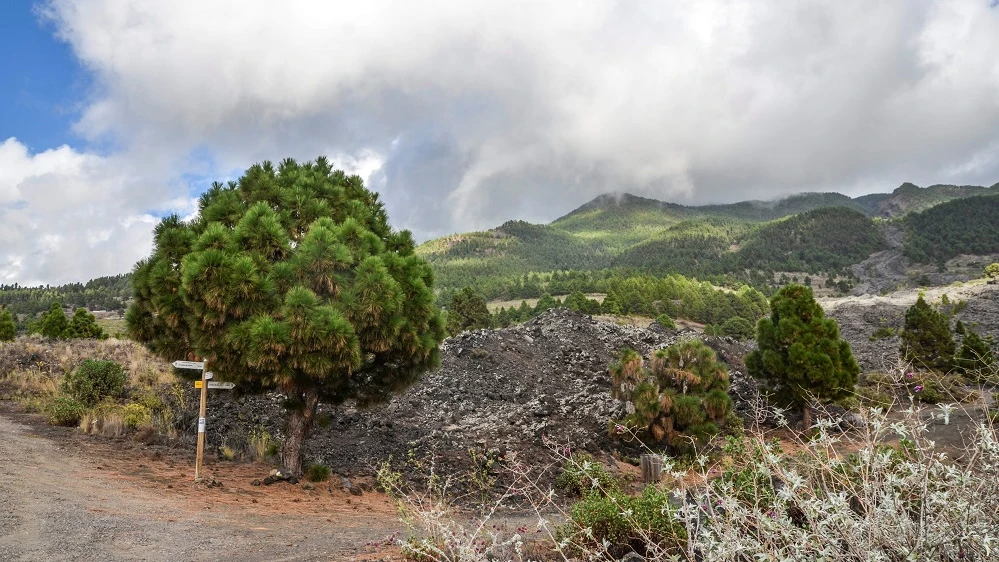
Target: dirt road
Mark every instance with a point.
(68, 497)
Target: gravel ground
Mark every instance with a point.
(65, 497)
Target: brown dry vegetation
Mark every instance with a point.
(32, 371)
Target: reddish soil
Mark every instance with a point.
(67, 496)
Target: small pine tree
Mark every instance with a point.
(54, 323)
(524, 312)
(578, 302)
(799, 351)
(84, 325)
(8, 330)
(666, 322)
(502, 317)
(467, 311)
(684, 392)
(546, 302)
(975, 357)
(926, 337)
(738, 327)
(610, 304)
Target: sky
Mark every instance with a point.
(466, 114)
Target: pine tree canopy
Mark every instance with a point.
(926, 337)
(799, 351)
(83, 325)
(975, 358)
(291, 278)
(54, 322)
(467, 311)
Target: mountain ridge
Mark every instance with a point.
(873, 204)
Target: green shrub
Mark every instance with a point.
(666, 322)
(317, 472)
(739, 328)
(935, 388)
(683, 387)
(883, 333)
(136, 415)
(95, 380)
(66, 411)
(621, 519)
(578, 476)
(872, 398)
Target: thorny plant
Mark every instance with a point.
(881, 492)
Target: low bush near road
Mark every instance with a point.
(95, 380)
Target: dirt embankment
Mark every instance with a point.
(66, 497)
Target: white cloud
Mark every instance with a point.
(465, 114)
(67, 216)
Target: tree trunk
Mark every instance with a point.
(299, 424)
(806, 416)
(652, 468)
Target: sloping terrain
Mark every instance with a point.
(500, 390)
(910, 198)
(811, 232)
(859, 316)
(504, 390)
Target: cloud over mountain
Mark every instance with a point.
(464, 114)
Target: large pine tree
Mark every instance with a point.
(926, 337)
(291, 279)
(799, 351)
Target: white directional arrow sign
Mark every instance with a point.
(189, 365)
(212, 385)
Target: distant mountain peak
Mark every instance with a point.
(906, 187)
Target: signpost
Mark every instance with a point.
(206, 377)
(203, 365)
(195, 365)
(214, 385)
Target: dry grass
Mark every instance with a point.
(32, 371)
(494, 306)
(56, 358)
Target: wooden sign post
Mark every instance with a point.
(205, 375)
(204, 384)
(202, 410)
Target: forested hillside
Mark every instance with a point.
(823, 240)
(964, 226)
(617, 239)
(616, 242)
(103, 293)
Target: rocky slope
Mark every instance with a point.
(497, 392)
(860, 316)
